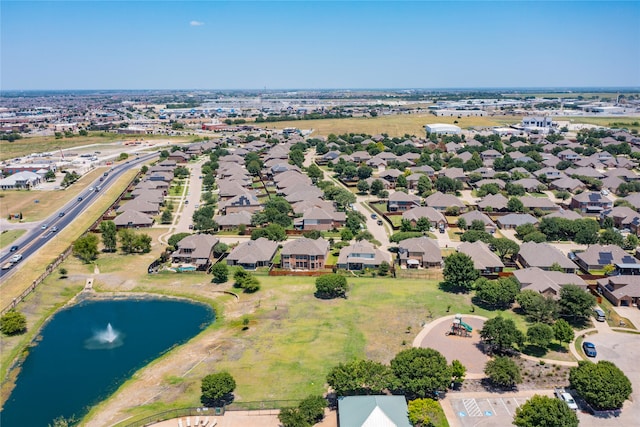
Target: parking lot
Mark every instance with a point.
(486, 411)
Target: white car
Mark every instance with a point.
(44, 226)
(16, 258)
(568, 399)
(90, 188)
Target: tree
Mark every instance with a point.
(611, 237)
(220, 272)
(515, 205)
(503, 372)
(312, 408)
(315, 173)
(499, 293)
(425, 413)
(458, 371)
(563, 331)
(220, 248)
(537, 307)
(217, 388)
(50, 175)
(363, 186)
(86, 248)
(502, 334)
(331, 286)
(421, 372)
(13, 323)
(376, 187)
(175, 239)
(292, 417)
(630, 242)
(401, 181)
(576, 302)
(544, 411)
(360, 377)
(383, 270)
(346, 235)
(540, 334)
(459, 273)
(505, 247)
(63, 273)
(424, 185)
(109, 234)
(273, 232)
(462, 223)
(603, 385)
(166, 217)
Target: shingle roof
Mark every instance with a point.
(541, 281)
(544, 255)
(254, 251)
(481, 255)
(305, 246)
(604, 255)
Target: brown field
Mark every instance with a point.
(394, 125)
(30, 269)
(617, 122)
(13, 202)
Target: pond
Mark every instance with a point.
(88, 350)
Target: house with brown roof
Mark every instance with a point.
(133, 219)
(623, 216)
(435, 218)
(246, 201)
(547, 283)
(304, 254)
(484, 260)
(361, 255)
(253, 254)
(317, 218)
(567, 184)
(591, 201)
(493, 203)
(179, 157)
(544, 256)
(140, 205)
(441, 201)
(513, 220)
(233, 220)
(621, 290)
(596, 257)
(489, 225)
(542, 203)
(196, 249)
(529, 184)
(419, 252)
(400, 202)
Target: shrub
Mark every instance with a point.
(13, 323)
(331, 286)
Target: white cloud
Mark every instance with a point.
(196, 23)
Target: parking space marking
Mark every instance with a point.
(505, 407)
(491, 406)
(472, 407)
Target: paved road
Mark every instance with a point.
(30, 242)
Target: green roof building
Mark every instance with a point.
(373, 411)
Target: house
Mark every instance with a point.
(493, 203)
(196, 249)
(529, 184)
(547, 283)
(233, 220)
(360, 156)
(541, 203)
(304, 254)
(253, 253)
(569, 155)
(361, 255)
(563, 213)
(490, 154)
(596, 257)
(634, 200)
(571, 185)
(454, 173)
(485, 261)
(550, 173)
(511, 221)
(419, 252)
(179, 157)
(246, 201)
(591, 202)
(544, 256)
(20, 181)
(441, 201)
(623, 216)
(317, 218)
(621, 290)
(400, 202)
(435, 218)
(391, 176)
(373, 411)
(489, 225)
(140, 205)
(133, 219)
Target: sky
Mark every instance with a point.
(57, 45)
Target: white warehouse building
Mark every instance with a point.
(442, 129)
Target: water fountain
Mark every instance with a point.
(108, 338)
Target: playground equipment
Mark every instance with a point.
(458, 327)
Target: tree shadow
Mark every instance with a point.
(534, 350)
(227, 399)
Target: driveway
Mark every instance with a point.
(192, 196)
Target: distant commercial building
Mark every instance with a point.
(459, 113)
(442, 129)
(537, 122)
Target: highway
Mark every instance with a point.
(33, 240)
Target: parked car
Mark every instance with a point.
(589, 349)
(599, 315)
(567, 398)
(379, 222)
(374, 216)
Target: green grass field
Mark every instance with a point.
(7, 237)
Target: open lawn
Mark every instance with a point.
(48, 202)
(394, 125)
(614, 122)
(7, 237)
(43, 144)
